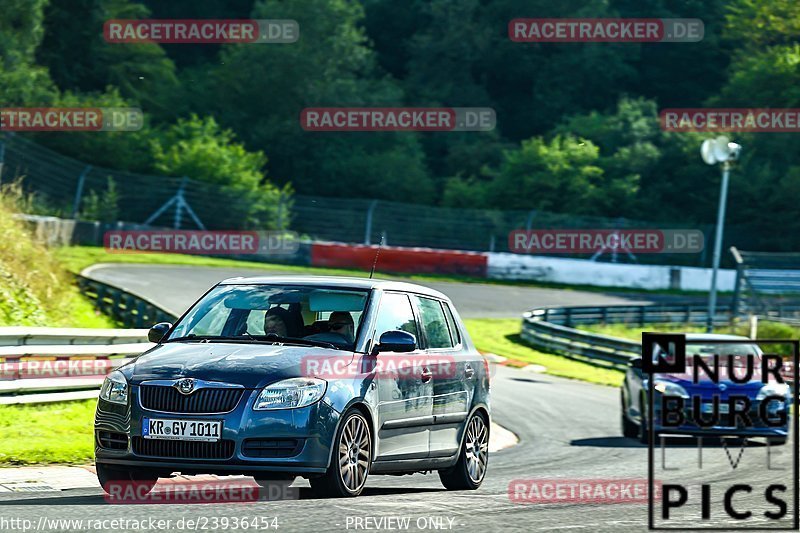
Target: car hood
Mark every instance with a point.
(251, 365)
(706, 388)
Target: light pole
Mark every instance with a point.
(713, 151)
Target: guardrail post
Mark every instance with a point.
(568, 317)
(641, 316)
(605, 315)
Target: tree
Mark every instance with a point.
(330, 65)
(80, 59)
(559, 176)
(22, 81)
(224, 172)
(104, 206)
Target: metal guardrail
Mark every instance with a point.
(552, 328)
(26, 336)
(38, 373)
(61, 364)
(131, 310)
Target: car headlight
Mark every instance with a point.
(115, 388)
(773, 389)
(290, 394)
(668, 388)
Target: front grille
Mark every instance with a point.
(201, 401)
(222, 449)
(112, 441)
(271, 447)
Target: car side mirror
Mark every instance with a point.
(158, 331)
(636, 362)
(396, 341)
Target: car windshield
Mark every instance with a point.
(290, 314)
(739, 352)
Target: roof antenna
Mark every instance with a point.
(378, 251)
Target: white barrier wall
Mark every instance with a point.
(585, 272)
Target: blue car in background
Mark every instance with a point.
(332, 379)
(634, 396)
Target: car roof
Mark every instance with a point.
(343, 282)
(715, 337)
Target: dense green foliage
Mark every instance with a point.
(577, 124)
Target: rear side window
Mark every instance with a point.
(395, 313)
(434, 323)
(451, 322)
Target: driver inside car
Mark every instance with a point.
(275, 323)
(341, 322)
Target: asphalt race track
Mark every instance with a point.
(567, 430)
(177, 287)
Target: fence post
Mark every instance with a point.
(368, 228)
(79, 191)
(641, 316)
(738, 283)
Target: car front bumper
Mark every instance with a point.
(312, 428)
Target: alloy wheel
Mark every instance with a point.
(476, 448)
(354, 453)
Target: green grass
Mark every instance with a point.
(766, 330)
(77, 258)
(47, 433)
(501, 336)
(35, 289)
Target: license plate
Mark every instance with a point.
(173, 429)
(708, 408)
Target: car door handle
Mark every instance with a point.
(469, 371)
(426, 374)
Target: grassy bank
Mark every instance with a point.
(501, 336)
(35, 289)
(47, 433)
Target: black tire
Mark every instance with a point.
(109, 475)
(473, 459)
(630, 429)
(351, 459)
(777, 441)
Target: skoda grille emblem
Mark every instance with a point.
(185, 386)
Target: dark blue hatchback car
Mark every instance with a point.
(327, 378)
(765, 404)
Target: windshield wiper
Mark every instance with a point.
(274, 337)
(189, 337)
(270, 338)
